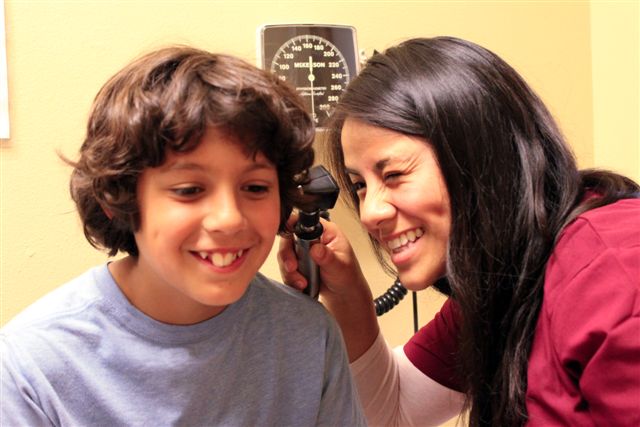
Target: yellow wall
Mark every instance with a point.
(615, 34)
(61, 52)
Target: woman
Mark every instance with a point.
(462, 178)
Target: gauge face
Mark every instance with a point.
(318, 68)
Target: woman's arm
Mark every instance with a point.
(344, 290)
(394, 392)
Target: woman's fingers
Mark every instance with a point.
(288, 264)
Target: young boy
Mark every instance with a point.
(188, 167)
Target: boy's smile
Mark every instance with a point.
(220, 259)
(208, 220)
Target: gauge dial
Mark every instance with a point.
(316, 68)
(318, 61)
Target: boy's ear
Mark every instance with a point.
(107, 211)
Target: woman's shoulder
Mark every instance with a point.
(611, 221)
(597, 256)
(592, 284)
(613, 227)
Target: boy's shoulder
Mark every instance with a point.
(63, 302)
(45, 336)
(287, 302)
(276, 317)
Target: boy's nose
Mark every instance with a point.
(223, 214)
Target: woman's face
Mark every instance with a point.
(403, 201)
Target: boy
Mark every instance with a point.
(188, 167)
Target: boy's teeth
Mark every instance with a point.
(405, 238)
(217, 259)
(221, 260)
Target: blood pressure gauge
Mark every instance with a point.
(317, 60)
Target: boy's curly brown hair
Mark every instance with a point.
(164, 101)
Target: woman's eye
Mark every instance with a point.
(357, 186)
(187, 191)
(392, 175)
(358, 189)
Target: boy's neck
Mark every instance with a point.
(148, 296)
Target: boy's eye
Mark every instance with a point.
(256, 188)
(187, 191)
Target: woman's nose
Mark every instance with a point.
(375, 209)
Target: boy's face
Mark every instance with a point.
(208, 220)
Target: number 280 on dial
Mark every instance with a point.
(317, 60)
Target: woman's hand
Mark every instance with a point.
(343, 288)
(339, 270)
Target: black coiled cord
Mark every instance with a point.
(390, 299)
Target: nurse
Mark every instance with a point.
(464, 182)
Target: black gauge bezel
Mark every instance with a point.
(343, 37)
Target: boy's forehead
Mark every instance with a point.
(216, 143)
(194, 160)
(178, 163)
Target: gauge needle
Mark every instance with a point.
(311, 79)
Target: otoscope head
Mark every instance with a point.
(320, 192)
(320, 189)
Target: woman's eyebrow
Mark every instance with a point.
(378, 166)
(351, 171)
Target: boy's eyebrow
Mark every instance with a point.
(180, 165)
(185, 165)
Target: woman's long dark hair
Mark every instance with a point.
(513, 185)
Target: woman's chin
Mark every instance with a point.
(417, 282)
(413, 284)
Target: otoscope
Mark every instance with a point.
(321, 191)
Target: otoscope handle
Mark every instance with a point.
(308, 268)
(308, 230)
(321, 191)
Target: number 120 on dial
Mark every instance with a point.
(317, 60)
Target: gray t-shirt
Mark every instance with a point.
(84, 356)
